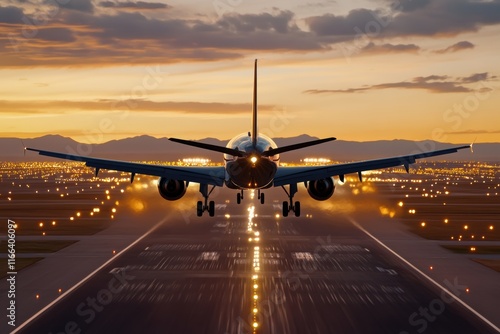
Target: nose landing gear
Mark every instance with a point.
(260, 196)
(239, 197)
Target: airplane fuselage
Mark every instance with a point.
(252, 171)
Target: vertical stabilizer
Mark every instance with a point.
(254, 107)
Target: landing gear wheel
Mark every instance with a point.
(296, 209)
(211, 209)
(285, 209)
(290, 206)
(199, 208)
(207, 206)
(262, 199)
(238, 198)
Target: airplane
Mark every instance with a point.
(251, 161)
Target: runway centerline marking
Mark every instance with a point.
(464, 304)
(77, 285)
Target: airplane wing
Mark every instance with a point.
(289, 175)
(204, 175)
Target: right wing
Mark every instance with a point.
(203, 175)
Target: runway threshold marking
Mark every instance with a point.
(77, 285)
(479, 315)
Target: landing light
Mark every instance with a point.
(253, 159)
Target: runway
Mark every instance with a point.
(264, 274)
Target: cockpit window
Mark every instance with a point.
(243, 142)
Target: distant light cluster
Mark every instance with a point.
(196, 161)
(309, 161)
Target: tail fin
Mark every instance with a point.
(254, 107)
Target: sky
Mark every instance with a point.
(357, 70)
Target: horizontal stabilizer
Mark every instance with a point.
(209, 147)
(279, 150)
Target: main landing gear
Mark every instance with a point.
(239, 197)
(207, 206)
(261, 197)
(287, 207)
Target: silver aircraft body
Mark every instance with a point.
(251, 161)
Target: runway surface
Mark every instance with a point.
(314, 274)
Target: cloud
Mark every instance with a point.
(372, 48)
(342, 26)
(407, 18)
(463, 45)
(281, 22)
(133, 5)
(106, 39)
(477, 77)
(85, 6)
(66, 106)
(130, 32)
(56, 35)
(408, 5)
(431, 83)
(11, 15)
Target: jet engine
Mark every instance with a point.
(171, 190)
(321, 190)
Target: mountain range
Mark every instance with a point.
(161, 149)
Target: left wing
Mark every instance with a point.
(204, 175)
(289, 175)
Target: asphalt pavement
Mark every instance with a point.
(252, 271)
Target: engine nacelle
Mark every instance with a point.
(171, 190)
(321, 190)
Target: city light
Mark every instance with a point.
(195, 161)
(316, 161)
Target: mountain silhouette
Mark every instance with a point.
(161, 149)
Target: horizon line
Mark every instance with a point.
(228, 139)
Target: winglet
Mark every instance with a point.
(471, 145)
(254, 107)
(24, 147)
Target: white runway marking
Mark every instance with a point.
(77, 285)
(355, 223)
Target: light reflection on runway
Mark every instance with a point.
(256, 273)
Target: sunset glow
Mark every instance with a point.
(97, 71)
